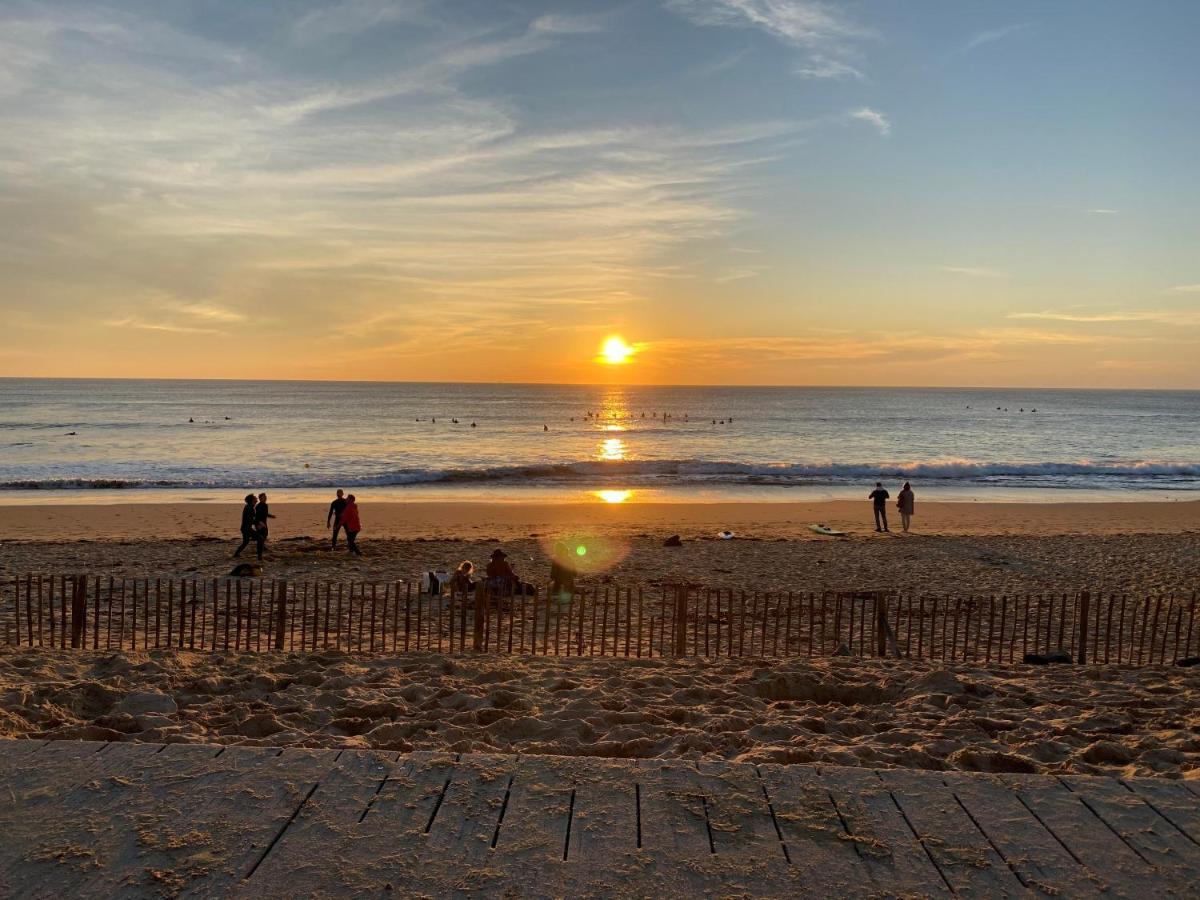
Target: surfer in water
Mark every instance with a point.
(880, 497)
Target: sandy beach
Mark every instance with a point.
(844, 711)
(960, 548)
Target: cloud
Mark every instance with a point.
(350, 17)
(872, 117)
(560, 23)
(1101, 212)
(1185, 289)
(821, 66)
(169, 327)
(314, 197)
(996, 34)
(1176, 318)
(822, 30)
(973, 271)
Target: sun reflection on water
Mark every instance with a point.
(611, 450)
(614, 496)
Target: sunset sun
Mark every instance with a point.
(615, 351)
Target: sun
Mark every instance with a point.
(615, 351)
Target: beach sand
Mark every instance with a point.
(839, 711)
(958, 548)
(844, 711)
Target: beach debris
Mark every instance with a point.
(1188, 662)
(821, 528)
(725, 535)
(246, 570)
(1054, 657)
(673, 541)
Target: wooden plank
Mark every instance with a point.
(318, 853)
(1116, 869)
(889, 849)
(818, 843)
(603, 851)
(675, 834)
(1170, 799)
(1034, 854)
(204, 831)
(1171, 852)
(961, 851)
(747, 843)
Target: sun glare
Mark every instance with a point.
(614, 496)
(615, 351)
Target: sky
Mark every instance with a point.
(948, 192)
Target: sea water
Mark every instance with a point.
(134, 440)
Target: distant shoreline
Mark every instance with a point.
(505, 519)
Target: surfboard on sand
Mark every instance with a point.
(826, 530)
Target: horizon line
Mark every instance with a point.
(593, 384)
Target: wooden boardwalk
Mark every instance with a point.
(86, 819)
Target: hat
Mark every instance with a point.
(499, 554)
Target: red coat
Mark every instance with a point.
(349, 518)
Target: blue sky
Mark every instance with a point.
(756, 191)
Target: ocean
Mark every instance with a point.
(114, 440)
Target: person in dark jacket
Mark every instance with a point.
(262, 513)
(880, 497)
(334, 519)
(248, 530)
(906, 503)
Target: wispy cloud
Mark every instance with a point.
(1185, 289)
(973, 271)
(1101, 212)
(828, 36)
(872, 117)
(169, 327)
(1156, 316)
(993, 35)
(353, 16)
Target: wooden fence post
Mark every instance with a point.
(280, 614)
(1085, 600)
(480, 606)
(680, 648)
(78, 611)
(880, 626)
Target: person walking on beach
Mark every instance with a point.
(249, 532)
(351, 523)
(880, 497)
(905, 502)
(334, 519)
(262, 513)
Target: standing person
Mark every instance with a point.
(334, 519)
(905, 501)
(880, 498)
(562, 573)
(248, 529)
(352, 525)
(262, 513)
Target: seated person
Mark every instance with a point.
(501, 579)
(460, 582)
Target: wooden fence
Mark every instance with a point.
(238, 615)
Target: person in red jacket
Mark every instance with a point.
(351, 524)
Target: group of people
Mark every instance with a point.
(255, 514)
(343, 517)
(905, 503)
(502, 580)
